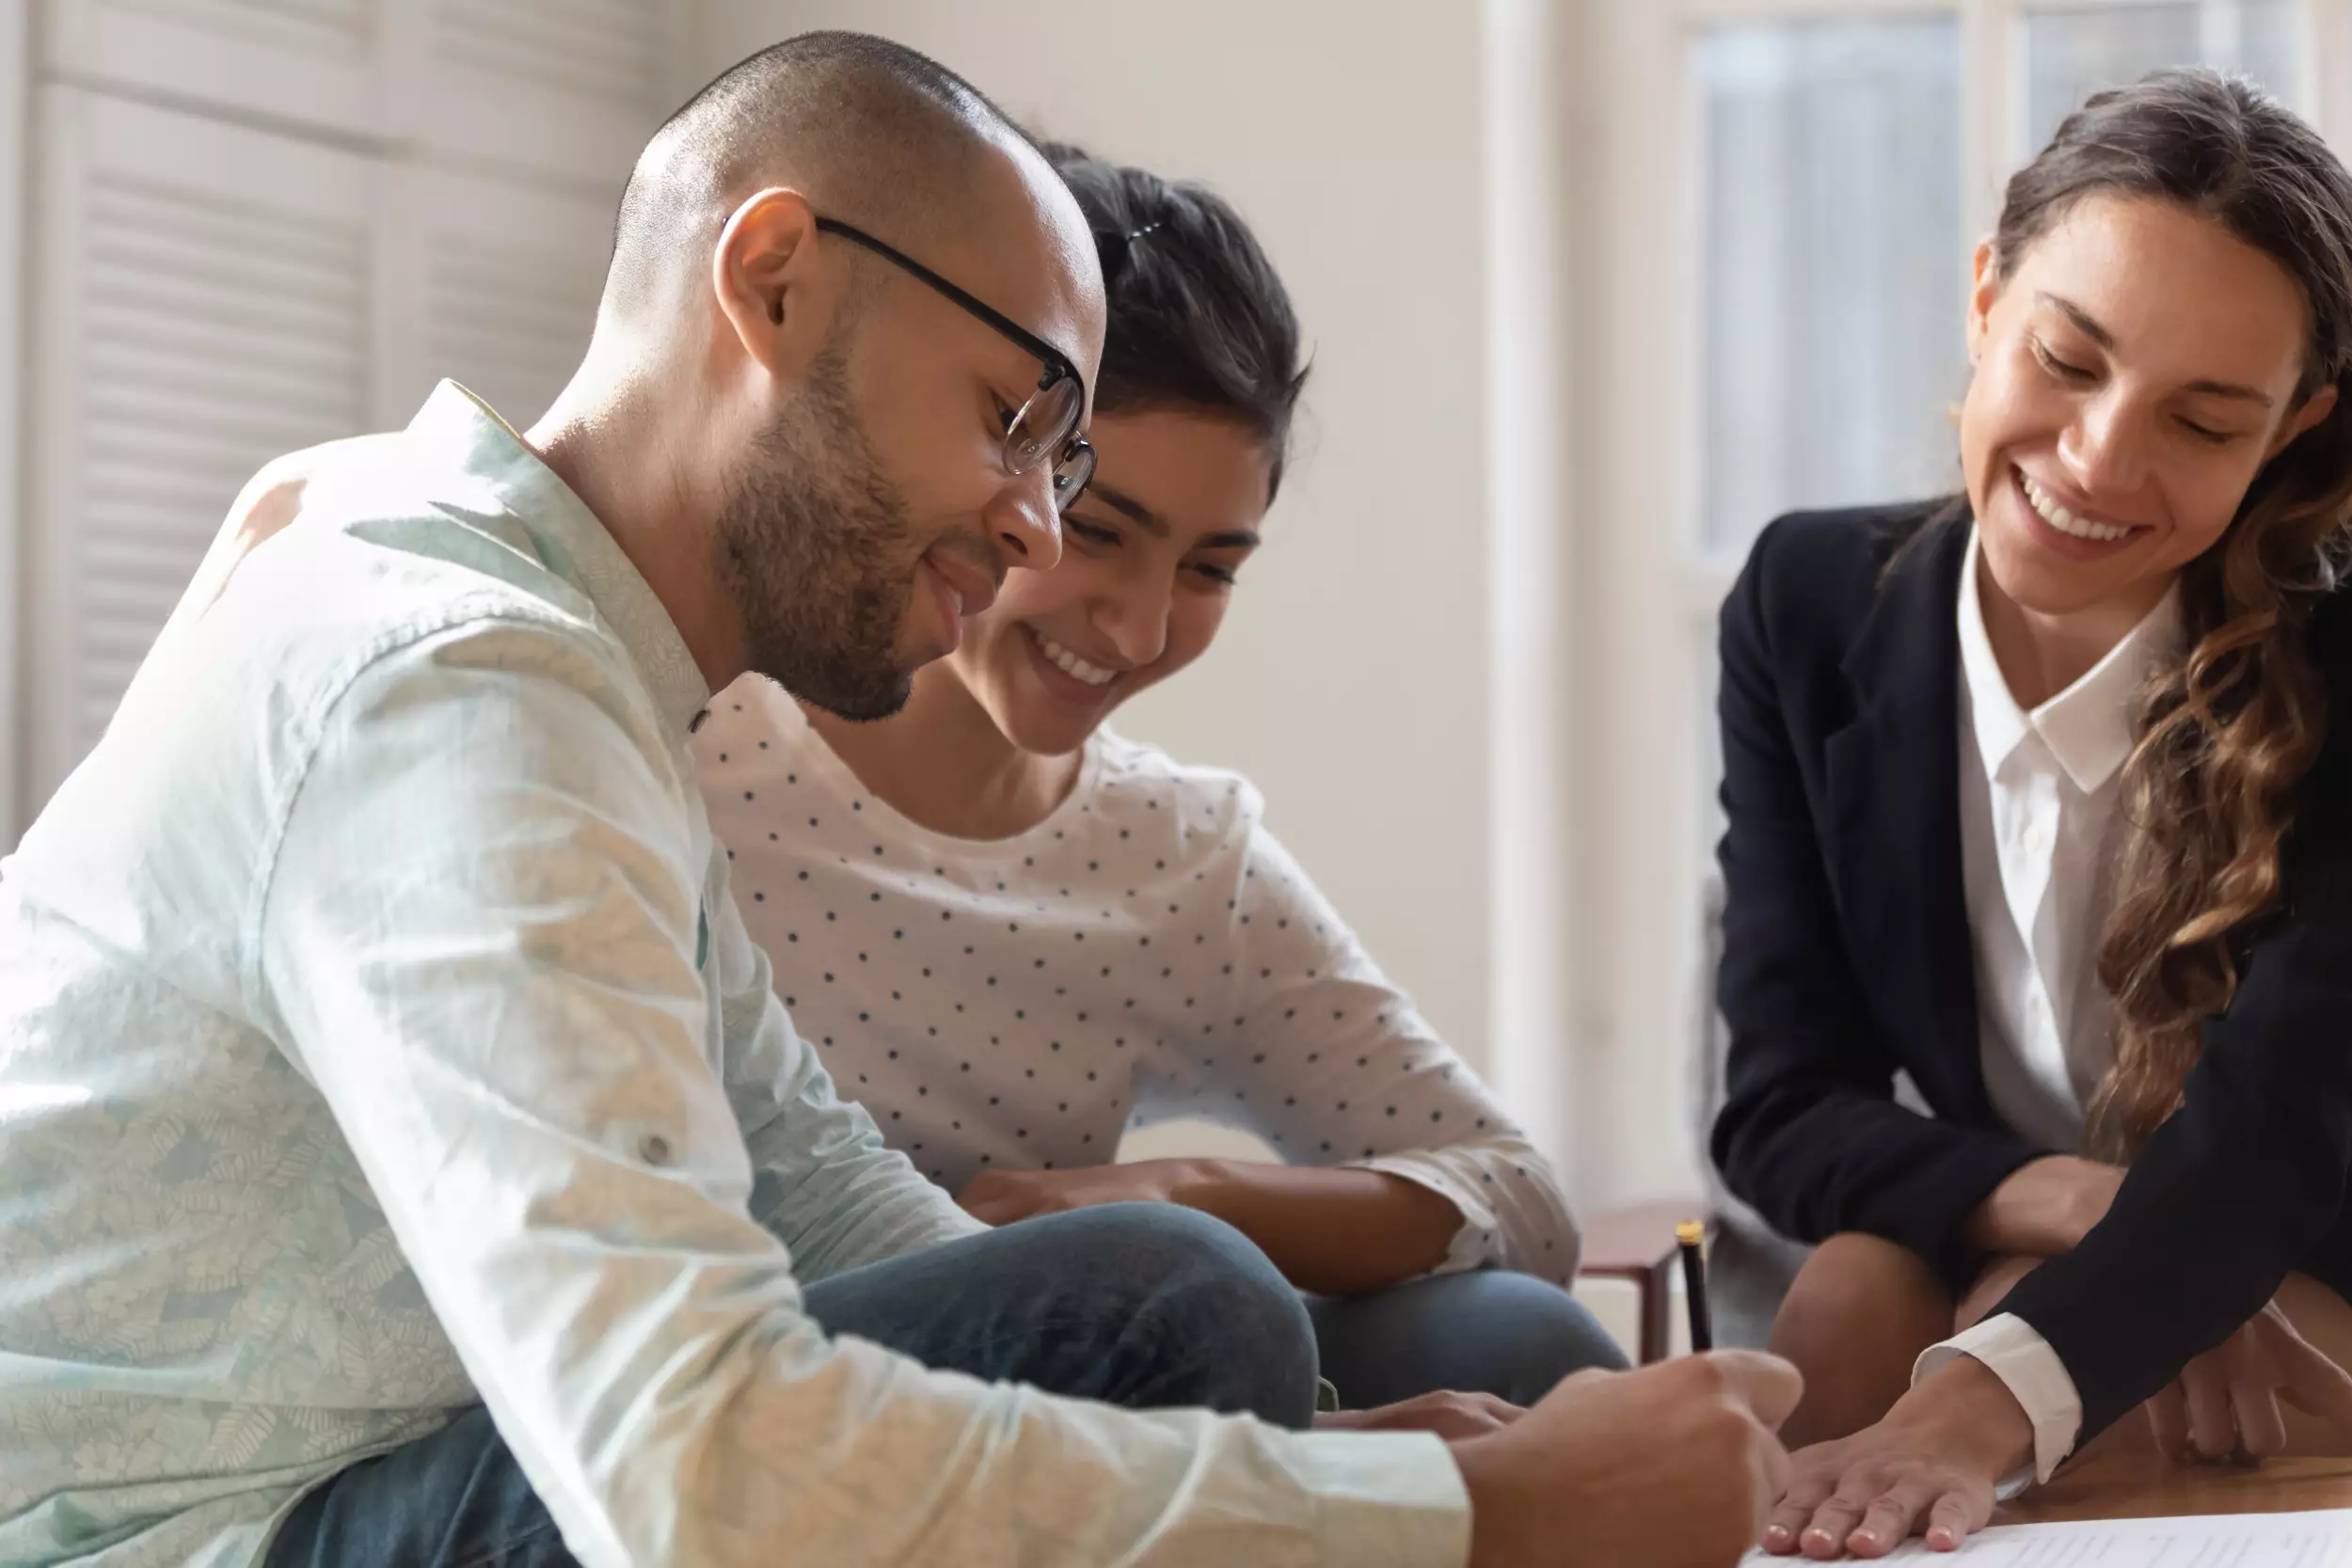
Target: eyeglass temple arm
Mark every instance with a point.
(1056, 363)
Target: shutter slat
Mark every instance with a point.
(338, 28)
(511, 327)
(611, 51)
(224, 329)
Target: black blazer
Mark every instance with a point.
(1847, 956)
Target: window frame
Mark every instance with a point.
(1652, 591)
(16, 78)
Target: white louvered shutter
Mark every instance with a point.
(204, 302)
(493, 283)
(319, 62)
(347, 200)
(567, 88)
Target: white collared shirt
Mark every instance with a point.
(2040, 830)
(378, 1035)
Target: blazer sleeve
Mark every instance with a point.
(2237, 1188)
(1810, 1132)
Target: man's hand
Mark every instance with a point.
(1451, 1416)
(1933, 1463)
(1002, 1196)
(2226, 1403)
(1670, 1467)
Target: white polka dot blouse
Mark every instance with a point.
(1149, 951)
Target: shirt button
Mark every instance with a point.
(655, 1150)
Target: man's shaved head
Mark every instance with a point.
(836, 440)
(867, 130)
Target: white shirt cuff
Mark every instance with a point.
(2035, 1377)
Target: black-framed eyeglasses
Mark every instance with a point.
(1043, 429)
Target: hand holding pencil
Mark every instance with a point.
(1692, 1235)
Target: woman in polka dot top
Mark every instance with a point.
(1014, 933)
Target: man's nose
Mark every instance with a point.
(1023, 524)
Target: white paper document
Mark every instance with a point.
(2202, 1541)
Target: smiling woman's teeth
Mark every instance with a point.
(1071, 664)
(2063, 520)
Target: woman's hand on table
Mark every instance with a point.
(2225, 1404)
(1932, 1466)
(1451, 1416)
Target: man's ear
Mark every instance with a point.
(770, 282)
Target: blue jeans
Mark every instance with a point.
(1134, 1304)
(1511, 1335)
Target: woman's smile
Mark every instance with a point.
(2076, 533)
(1066, 672)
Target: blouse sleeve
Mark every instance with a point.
(1330, 1063)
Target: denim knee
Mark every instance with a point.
(1539, 1333)
(1232, 1333)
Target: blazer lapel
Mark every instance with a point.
(1894, 797)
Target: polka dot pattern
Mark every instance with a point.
(1149, 951)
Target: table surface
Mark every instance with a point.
(2122, 1477)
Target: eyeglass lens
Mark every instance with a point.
(1043, 426)
(1043, 431)
(1073, 474)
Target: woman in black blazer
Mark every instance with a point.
(2158, 473)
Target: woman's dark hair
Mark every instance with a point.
(2226, 733)
(1198, 320)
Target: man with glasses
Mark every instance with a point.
(407, 1159)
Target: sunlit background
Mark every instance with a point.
(1596, 290)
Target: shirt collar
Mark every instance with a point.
(2088, 727)
(458, 430)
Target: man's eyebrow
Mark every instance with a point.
(1235, 539)
(2089, 326)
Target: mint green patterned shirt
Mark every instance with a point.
(377, 1036)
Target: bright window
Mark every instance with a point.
(1834, 268)
(2073, 51)
(1789, 192)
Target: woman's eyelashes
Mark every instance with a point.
(1094, 535)
(1091, 534)
(2079, 375)
(2066, 370)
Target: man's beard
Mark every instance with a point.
(814, 550)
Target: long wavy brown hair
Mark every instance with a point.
(2226, 733)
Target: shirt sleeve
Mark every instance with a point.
(1331, 1064)
(1810, 1132)
(824, 1182)
(2034, 1376)
(508, 1020)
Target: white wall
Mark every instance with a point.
(1352, 680)
(16, 76)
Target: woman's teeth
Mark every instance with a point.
(1071, 664)
(2063, 520)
